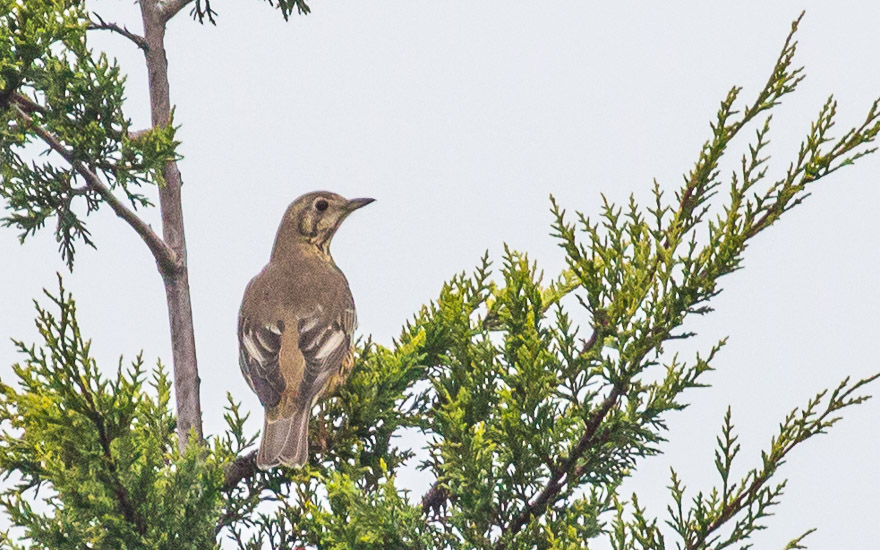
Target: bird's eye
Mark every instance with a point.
(321, 205)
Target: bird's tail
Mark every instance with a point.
(285, 441)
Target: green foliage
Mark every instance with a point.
(95, 459)
(57, 92)
(531, 423)
(346, 497)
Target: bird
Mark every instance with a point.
(296, 325)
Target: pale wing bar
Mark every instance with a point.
(324, 346)
(258, 353)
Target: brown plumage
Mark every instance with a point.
(296, 324)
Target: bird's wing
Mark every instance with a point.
(324, 342)
(259, 348)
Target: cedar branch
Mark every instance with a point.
(566, 470)
(165, 257)
(129, 511)
(776, 457)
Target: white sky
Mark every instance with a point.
(461, 118)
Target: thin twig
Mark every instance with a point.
(164, 255)
(102, 25)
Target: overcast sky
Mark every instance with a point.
(461, 118)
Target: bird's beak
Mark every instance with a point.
(354, 204)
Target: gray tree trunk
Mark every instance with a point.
(175, 276)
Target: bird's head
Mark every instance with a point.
(314, 218)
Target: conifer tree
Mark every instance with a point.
(533, 423)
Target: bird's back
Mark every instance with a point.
(296, 325)
(296, 285)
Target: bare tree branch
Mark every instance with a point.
(102, 25)
(243, 467)
(164, 255)
(171, 8)
(435, 498)
(27, 105)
